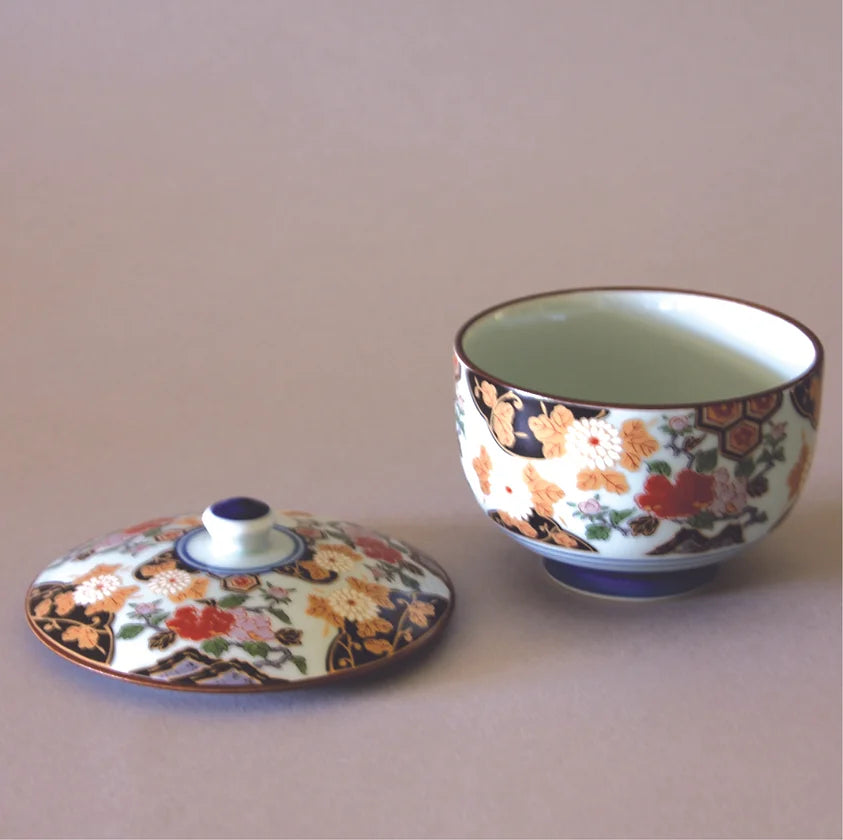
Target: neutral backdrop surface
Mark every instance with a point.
(236, 239)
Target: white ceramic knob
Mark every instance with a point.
(239, 526)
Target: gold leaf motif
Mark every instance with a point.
(483, 466)
(419, 612)
(611, 480)
(85, 637)
(550, 429)
(316, 571)
(544, 494)
(372, 627)
(377, 646)
(637, 444)
(152, 569)
(65, 603)
(563, 539)
(487, 392)
(524, 527)
(43, 607)
(503, 416)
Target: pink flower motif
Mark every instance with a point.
(589, 506)
(250, 627)
(308, 532)
(678, 423)
(354, 531)
(378, 549)
(730, 494)
(110, 541)
(778, 430)
(279, 592)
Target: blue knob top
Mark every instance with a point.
(240, 508)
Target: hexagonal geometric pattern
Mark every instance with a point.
(738, 423)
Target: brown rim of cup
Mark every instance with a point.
(816, 366)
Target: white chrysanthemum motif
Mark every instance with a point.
(354, 605)
(95, 589)
(508, 489)
(170, 583)
(334, 559)
(594, 442)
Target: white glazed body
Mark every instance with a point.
(634, 488)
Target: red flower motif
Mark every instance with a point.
(189, 623)
(692, 492)
(378, 549)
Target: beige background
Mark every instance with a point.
(237, 239)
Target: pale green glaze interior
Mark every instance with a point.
(638, 347)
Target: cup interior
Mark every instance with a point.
(638, 347)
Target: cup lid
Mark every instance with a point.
(242, 598)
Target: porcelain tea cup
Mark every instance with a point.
(635, 437)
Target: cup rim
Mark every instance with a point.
(459, 350)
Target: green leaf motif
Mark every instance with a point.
(706, 460)
(408, 581)
(597, 532)
(618, 516)
(301, 663)
(703, 519)
(129, 631)
(659, 468)
(745, 467)
(157, 617)
(255, 648)
(215, 646)
(279, 613)
(229, 601)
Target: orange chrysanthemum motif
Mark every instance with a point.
(100, 590)
(336, 557)
(376, 591)
(318, 607)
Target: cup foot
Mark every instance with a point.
(629, 585)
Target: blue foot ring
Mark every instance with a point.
(629, 584)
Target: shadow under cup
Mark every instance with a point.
(636, 437)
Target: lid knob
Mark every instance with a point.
(238, 526)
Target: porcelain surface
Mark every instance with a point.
(338, 600)
(635, 489)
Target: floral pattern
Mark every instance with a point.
(135, 608)
(582, 478)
